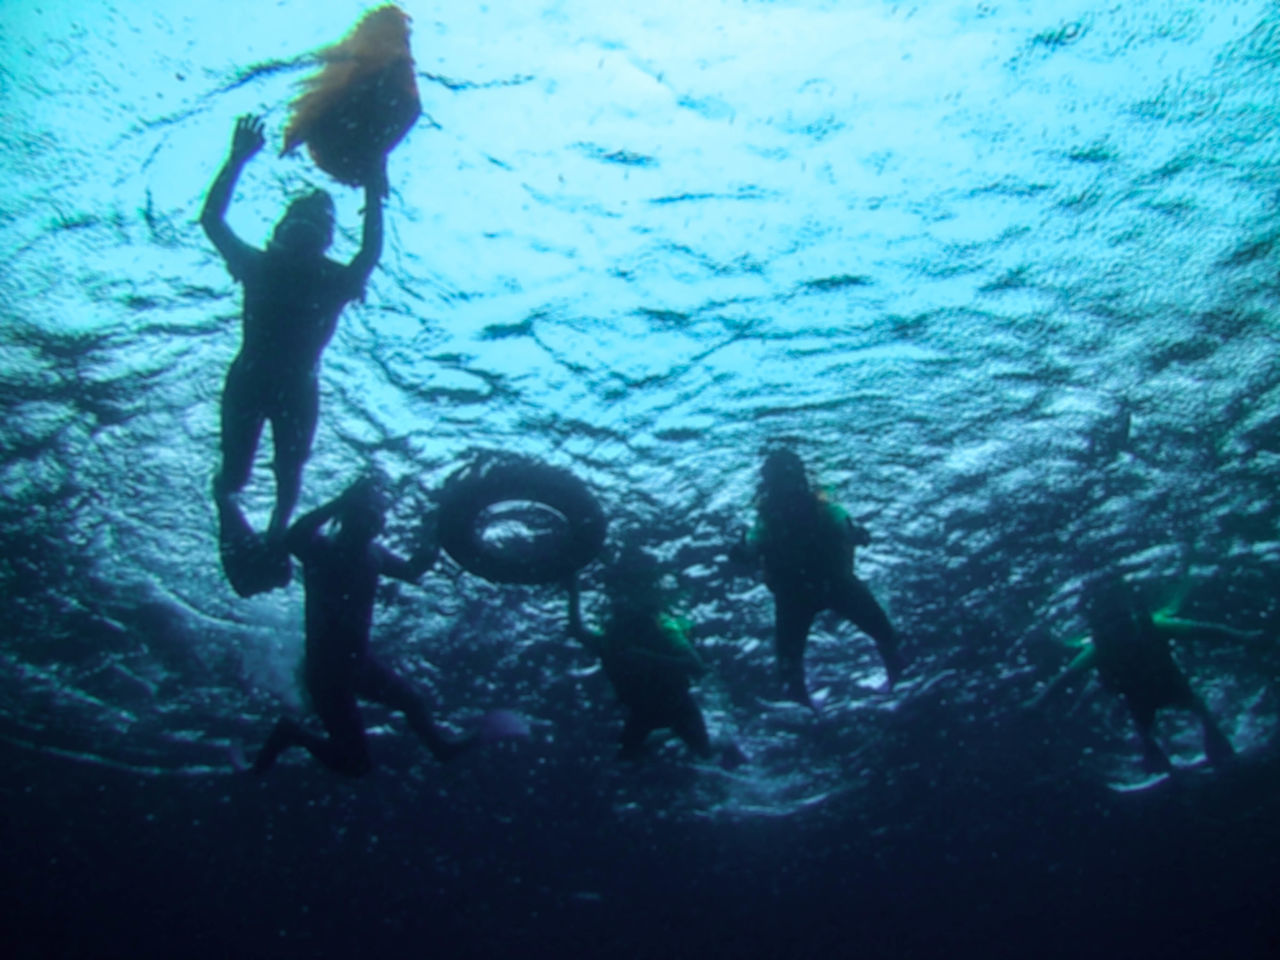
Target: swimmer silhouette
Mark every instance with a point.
(648, 657)
(293, 295)
(340, 575)
(805, 544)
(1129, 647)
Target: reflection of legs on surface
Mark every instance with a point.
(792, 621)
(854, 601)
(382, 685)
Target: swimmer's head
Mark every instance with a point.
(782, 472)
(364, 508)
(634, 583)
(306, 229)
(1109, 602)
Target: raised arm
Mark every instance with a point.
(366, 259)
(245, 142)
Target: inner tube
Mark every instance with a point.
(505, 478)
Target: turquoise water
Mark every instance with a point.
(1005, 273)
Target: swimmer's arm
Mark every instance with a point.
(304, 530)
(576, 630)
(371, 242)
(1176, 628)
(1083, 661)
(411, 570)
(423, 558)
(245, 142)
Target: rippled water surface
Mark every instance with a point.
(1004, 273)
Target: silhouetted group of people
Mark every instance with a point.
(802, 543)
(293, 295)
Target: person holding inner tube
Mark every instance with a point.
(1129, 647)
(340, 577)
(293, 296)
(805, 544)
(648, 657)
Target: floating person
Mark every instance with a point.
(805, 544)
(1129, 647)
(362, 102)
(649, 659)
(340, 576)
(293, 296)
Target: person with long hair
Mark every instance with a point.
(805, 544)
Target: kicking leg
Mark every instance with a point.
(1154, 759)
(344, 751)
(382, 685)
(1216, 745)
(241, 428)
(792, 620)
(293, 429)
(690, 726)
(634, 733)
(854, 601)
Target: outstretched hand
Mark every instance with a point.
(248, 137)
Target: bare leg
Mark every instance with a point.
(241, 429)
(382, 685)
(344, 751)
(854, 601)
(293, 430)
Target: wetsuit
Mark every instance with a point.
(1130, 651)
(293, 297)
(340, 575)
(806, 546)
(649, 659)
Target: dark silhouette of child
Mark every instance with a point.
(340, 576)
(649, 659)
(1129, 647)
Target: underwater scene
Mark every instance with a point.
(719, 478)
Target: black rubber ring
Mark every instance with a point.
(500, 478)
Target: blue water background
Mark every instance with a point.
(1005, 274)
